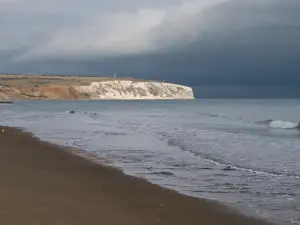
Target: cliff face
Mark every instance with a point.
(135, 90)
(47, 92)
(114, 89)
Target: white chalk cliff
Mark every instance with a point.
(126, 89)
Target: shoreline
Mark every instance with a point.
(48, 184)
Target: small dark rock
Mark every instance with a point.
(164, 173)
(72, 111)
(228, 168)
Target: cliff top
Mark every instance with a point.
(23, 80)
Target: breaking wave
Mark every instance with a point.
(280, 124)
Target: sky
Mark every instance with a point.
(193, 42)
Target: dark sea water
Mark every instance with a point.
(245, 153)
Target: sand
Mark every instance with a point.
(44, 184)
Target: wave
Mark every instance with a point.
(280, 124)
(251, 170)
(225, 165)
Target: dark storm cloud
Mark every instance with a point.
(191, 42)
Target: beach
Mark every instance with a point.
(46, 184)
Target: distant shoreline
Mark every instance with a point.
(44, 87)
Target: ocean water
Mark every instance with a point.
(245, 153)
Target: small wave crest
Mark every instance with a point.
(279, 124)
(230, 167)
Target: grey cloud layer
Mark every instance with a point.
(200, 41)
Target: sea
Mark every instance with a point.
(242, 152)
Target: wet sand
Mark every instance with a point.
(45, 184)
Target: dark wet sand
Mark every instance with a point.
(43, 184)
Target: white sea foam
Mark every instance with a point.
(280, 124)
